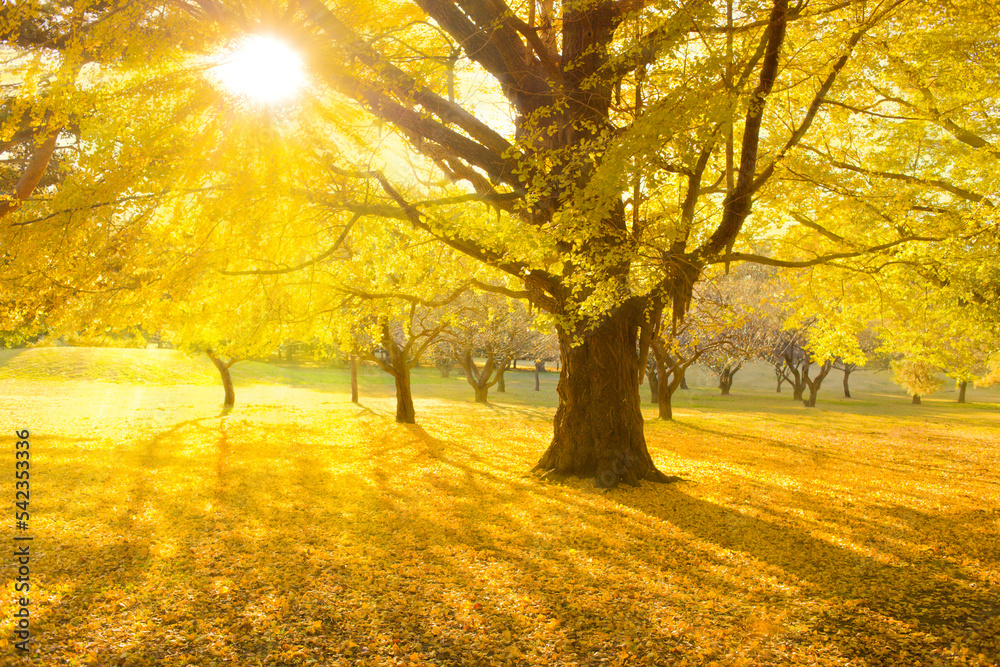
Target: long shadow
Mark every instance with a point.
(936, 605)
(479, 538)
(820, 452)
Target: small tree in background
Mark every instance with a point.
(869, 344)
(395, 344)
(495, 328)
(916, 376)
(733, 321)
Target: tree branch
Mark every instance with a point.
(736, 207)
(822, 259)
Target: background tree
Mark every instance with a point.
(395, 346)
(916, 376)
(711, 327)
(869, 345)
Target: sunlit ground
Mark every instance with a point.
(302, 529)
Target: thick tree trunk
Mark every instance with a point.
(354, 379)
(916, 399)
(227, 380)
(405, 414)
(798, 388)
(482, 394)
(727, 377)
(598, 424)
(961, 390)
(811, 401)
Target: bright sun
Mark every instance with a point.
(262, 68)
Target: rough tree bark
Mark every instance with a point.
(598, 424)
(227, 378)
(562, 92)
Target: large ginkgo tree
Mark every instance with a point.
(602, 153)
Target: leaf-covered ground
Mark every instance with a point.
(301, 529)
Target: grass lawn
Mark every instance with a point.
(301, 529)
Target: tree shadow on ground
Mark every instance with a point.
(867, 597)
(369, 542)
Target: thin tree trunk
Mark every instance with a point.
(598, 424)
(501, 385)
(227, 379)
(664, 397)
(654, 387)
(961, 390)
(354, 379)
(539, 366)
(847, 386)
(684, 382)
(405, 414)
(33, 172)
(814, 384)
